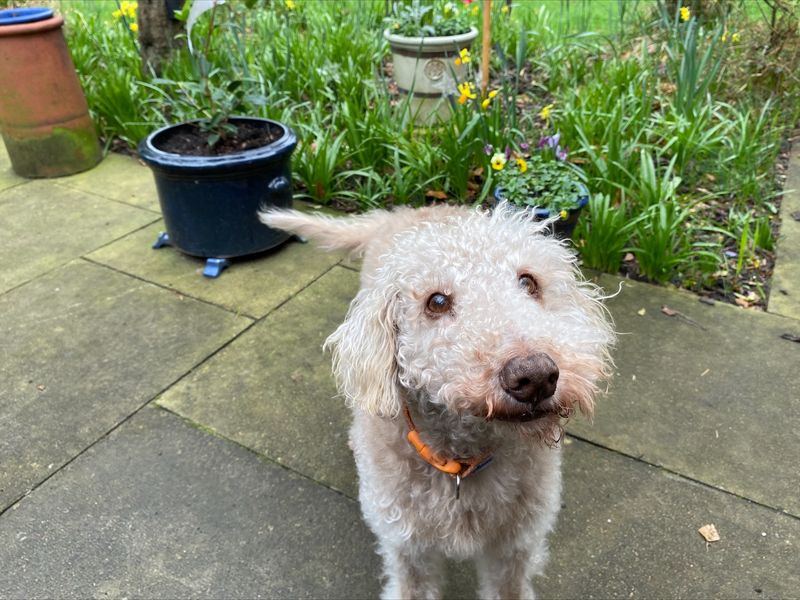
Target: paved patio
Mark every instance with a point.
(164, 435)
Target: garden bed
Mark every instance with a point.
(679, 120)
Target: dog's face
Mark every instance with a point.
(484, 315)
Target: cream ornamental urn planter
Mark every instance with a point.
(425, 69)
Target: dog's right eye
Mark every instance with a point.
(438, 304)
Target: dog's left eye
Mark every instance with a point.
(529, 284)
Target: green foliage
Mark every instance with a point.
(605, 232)
(675, 124)
(415, 18)
(661, 241)
(318, 164)
(695, 60)
(550, 184)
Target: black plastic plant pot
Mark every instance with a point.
(563, 228)
(210, 204)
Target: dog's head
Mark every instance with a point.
(482, 314)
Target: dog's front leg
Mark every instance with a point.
(505, 572)
(412, 573)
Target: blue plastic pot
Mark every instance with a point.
(210, 203)
(18, 16)
(563, 228)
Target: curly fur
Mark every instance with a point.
(390, 351)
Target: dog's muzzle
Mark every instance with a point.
(529, 381)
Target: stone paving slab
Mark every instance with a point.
(82, 348)
(250, 286)
(717, 401)
(45, 225)
(629, 530)
(7, 177)
(162, 510)
(784, 297)
(272, 390)
(120, 178)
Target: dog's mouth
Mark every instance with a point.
(520, 412)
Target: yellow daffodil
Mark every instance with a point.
(504, 10)
(126, 9)
(523, 166)
(563, 214)
(544, 114)
(463, 57)
(724, 37)
(685, 13)
(735, 38)
(134, 27)
(290, 4)
(493, 93)
(467, 91)
(498, 161)
(475, 10)
(485, 103)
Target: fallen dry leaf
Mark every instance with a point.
(709, 533)
(41, 387)
(641, 312)
(436, 194)
(668, 311)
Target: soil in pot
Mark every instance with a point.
(192, 140)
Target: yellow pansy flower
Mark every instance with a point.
(685, 13)
(498, 161)
(523, 166)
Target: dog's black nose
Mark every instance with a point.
(531, 378)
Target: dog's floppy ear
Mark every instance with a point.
(331, 233)
(364, 348)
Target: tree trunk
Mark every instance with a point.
(157, 31)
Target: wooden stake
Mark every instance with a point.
(486, 46)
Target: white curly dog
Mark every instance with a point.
(472, 337)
